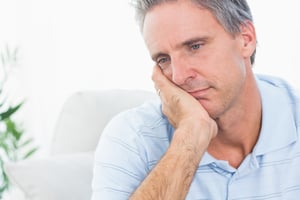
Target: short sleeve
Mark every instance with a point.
(120, 164)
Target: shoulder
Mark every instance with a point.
(146, 120)
(275, 81)
(142, 133)
(281, 85)
(290, 93)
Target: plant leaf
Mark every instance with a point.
(30, 153)
(4, 181)
(13, 129)
(25, 143)
(11, 110)
(5, 147)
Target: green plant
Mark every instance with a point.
(14, 146)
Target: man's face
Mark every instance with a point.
(196, 53)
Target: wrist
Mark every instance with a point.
(189, 143)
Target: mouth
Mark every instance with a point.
(200, 93)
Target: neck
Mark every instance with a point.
(239, 127)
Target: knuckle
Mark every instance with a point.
(175, 99)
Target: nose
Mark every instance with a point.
(182, 72)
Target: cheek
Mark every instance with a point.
(232, 79)
(230, 65)
(168, 73)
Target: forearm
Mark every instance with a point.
(172, 176)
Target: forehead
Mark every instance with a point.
(165, 13)
(176, 21)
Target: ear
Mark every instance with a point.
(248, 35)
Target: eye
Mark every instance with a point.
(163, 62)
(195, 46)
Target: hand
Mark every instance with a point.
(181, 108)
(172, 176)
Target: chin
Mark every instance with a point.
(210, 108)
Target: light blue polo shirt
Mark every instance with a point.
(135, 140)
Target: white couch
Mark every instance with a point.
(67, 173)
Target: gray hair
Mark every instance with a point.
(230, 13)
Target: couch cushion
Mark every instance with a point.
(85, 114)
(55, 178)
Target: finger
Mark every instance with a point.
(158, 92)
(162, 83)
(157, 77)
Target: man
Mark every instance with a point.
(220, 132)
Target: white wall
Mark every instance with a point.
(278, 29)
(70, 45)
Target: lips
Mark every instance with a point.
(200, 93)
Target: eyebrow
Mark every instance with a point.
(184, 43)
(192, 41)
(158, 54)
